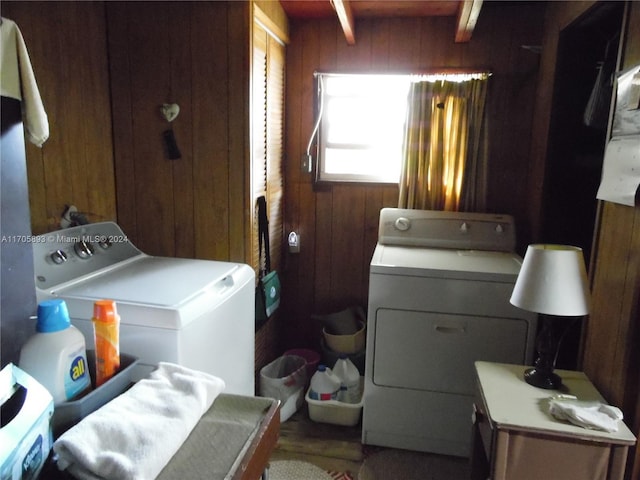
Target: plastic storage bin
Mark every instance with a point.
(348, 344)
(284, 379)
(67, 414)
(335, 412)
(310, 356)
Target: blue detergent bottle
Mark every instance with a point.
(56, 354)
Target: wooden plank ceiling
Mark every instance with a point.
(347, 11)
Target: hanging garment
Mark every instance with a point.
(18, 81)
(596, 113)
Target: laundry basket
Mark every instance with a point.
(311, 357)
(285, 379)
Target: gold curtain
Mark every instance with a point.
(444, 151)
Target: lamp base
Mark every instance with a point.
(541, 379)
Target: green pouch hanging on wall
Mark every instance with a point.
(268, 288)
(270, 291)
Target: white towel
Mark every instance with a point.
(592, 415)
(135, 435)
(18, 81)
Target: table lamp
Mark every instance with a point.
(552, 282)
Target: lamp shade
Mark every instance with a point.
(552, 281)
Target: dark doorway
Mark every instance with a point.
(587, 60)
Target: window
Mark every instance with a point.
(267, 116)
(361, 127)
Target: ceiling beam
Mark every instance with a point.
(467, 18)
(345, 16)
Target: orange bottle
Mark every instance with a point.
(106, 330)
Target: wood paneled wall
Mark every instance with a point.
(611, 357)
(195, 54)
(67, 43)
(339, 224)
(612, 348)
(191, 207)
(104, 70)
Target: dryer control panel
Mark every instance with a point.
(454, 230)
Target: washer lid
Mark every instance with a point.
(417, 261)
(163, 282)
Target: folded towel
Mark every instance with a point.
(135, 435)
(18, 81)
(592, 415)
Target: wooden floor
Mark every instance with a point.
(330, 447)
(339, 449)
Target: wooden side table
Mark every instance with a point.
(516, 438)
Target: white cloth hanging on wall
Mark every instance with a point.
(620, 182)
(18, 81)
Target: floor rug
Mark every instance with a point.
(296, 470)
(407, 465)
(340, 475)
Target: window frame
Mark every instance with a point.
(328, 178)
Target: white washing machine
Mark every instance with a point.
(197, 313)
(439, 290)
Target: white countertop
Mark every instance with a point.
(514, 404)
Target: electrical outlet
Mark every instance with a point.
(306, 163)
(294, 242)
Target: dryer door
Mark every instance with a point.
(436, 351)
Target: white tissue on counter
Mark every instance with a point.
(586, 414)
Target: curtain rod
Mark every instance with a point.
(430, 71)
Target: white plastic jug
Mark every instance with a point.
(349, 376)
(56, 355)
(324, 385)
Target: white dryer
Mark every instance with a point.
(439, 290)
